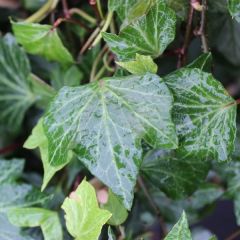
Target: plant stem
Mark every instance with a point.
(182, 56)
(42, 12)
(82, 14)
(153, 205)
(201, 31)
(99, 7)
(104, 28)
(65, 9)
(96, 62)
(234, 235)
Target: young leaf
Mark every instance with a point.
(16, 95)
(177, 177)
(103, 124)
(234, 9)
(180, 230)
(84, 219)
(38, 139)
(38, 217)
(204, 113)
(148, 35)
(41, 40)
(141, 65)
(115, 206)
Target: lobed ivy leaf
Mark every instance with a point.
(84, 219)
(111, 235)
(115, 206)
(104, 122)
(234, 9)
(138, 37)
(16, 94)
(38, 217)
(177, 177)
(180, 231)
(10, 232)
(141, 65)
(41, 40)
(38, 140)
(204, 113)
(14, 193)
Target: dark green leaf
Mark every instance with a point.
(115, 206)
(204, 113)
(180, 7)
(16, 95)
(177, 177)
(203, 62)
(61, 77)
(234, 9)
(138, 37)
(41, 40)
(34, 217)
(103, 124)
(84, 219)
(180, 231)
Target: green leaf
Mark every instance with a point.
(138, 36)
(14, 193)
(115, 206)
(38, 217)
(177, 177)
(104, 122)
(84, 219)
(236, 202)
(224, 37)
(204, 113)
(141, 65)
(41, 40)
(180, 231)
(10, 169)
(61, 77)
(44, 93)
(203, 62)
(180, 7)
(38, 139)
(234, 9)
(10, 232)
(15, 87)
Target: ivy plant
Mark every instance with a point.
(117, 116)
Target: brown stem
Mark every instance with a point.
(182, 56)
(65, 9)
(201, 31)
(93, 4)
(238, 101)
(10, 148)
(233, 235)
(153, 205)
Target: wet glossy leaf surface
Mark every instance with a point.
(103, 124)
(84, 219)
(138, 37)
(42, 40)
(204, 113)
